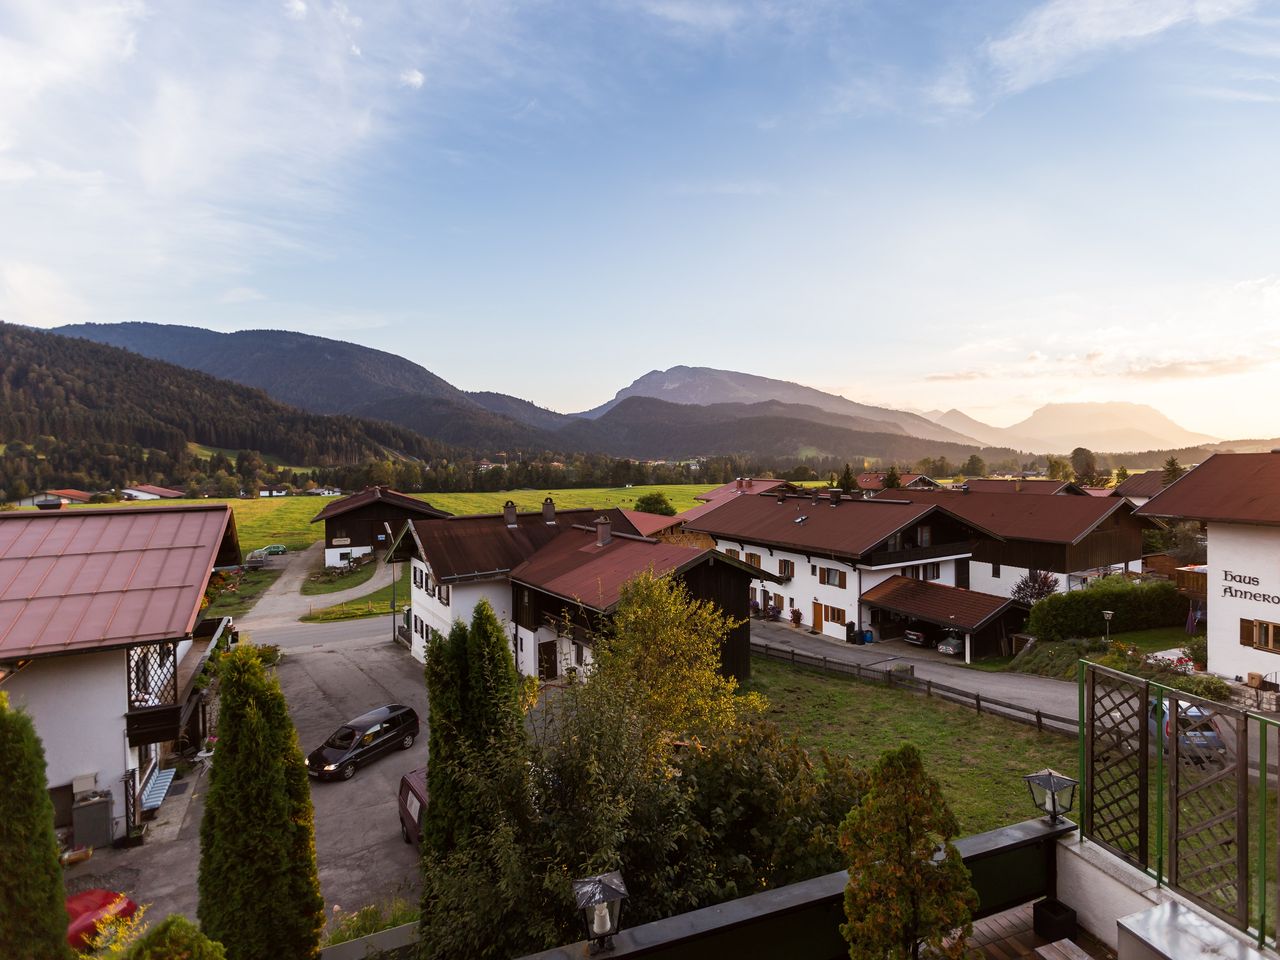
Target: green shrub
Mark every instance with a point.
(1135, 606)
(1201, 685)
(176, 938)
(372, 919)
(33, 918)
(1197, 649)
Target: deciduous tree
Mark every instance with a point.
(655, 502)
(902, 898)
(1033, 586)
(33, 916)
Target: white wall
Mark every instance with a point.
(1253, 553)
(333, 555)
(78, 705)
(982, 580)
(1101, 888)
(463, 598)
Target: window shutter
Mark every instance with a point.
(1246, 633)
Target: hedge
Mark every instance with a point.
(1136, 606)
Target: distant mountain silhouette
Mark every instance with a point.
(1111, 427)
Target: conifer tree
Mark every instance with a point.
(847, 483)
(446, 675)
(892, 479)
(259, 891)
(33, 914)
(1172, 471)
(491, 703)
(899, 898)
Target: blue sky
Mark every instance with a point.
(981, 205)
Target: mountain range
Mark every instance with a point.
(666, 414)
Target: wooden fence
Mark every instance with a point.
(904, 679)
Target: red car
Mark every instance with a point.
(87, 909)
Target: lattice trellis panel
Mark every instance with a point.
(1116, 785)
(153, 675)
(1209, 806)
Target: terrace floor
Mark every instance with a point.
(1008, 936)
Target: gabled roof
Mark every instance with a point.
(648, 524)
(1228, 487)
(483, 545)
(1025, 486)
(1015, 516)
(573, 566)
(377, 495)
(743, 485)
(162, 492)
(79, 496)
(966, 610)
(851, 528)
(875, 481)
(79, 580)
(1146, 484)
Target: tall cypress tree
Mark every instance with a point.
(33, 913)
(259, 890)
(446, 675)
(490, 705)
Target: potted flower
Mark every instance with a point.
(1197, 651)
(755, 609)
(796, 616)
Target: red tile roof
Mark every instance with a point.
(749, 485)
(693, 513)
(377, 495)
(1015, 516)
(875, 481)
(938, 603)
(163, 492)
(1146, 484)
(72, 581)
(77, 495)
(1098, 491)
(1228, 487)
(480, 546)
(1032, 486)
(649, 524)
(852, 528)
(572, 566)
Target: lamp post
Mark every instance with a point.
(1106, 619)
(1052, 792)
(600, 900)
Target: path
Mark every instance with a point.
(284, 602)
(1036, 693)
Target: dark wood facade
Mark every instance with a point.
(366, 526)
(1117, 540)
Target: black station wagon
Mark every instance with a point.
(356, 742)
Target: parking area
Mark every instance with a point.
(361, 855)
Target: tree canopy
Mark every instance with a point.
(655, 502)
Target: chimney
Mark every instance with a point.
(750, 482)
(549, 510)
(509, 513)
(1017, 486)
(604, 531)
(739, 484)
(834, 494)
(816, 495)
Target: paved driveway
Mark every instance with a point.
(283, 602)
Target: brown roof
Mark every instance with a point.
(1098, 491)
(1033, 486)
(648, 524)
(81, 580)
(693, 513)
(749, 485)
(572, 566)
(78, 495)
(164, 492)
(1015, 516)
(875, 481)
(853, 527)
(938, 603)
(1229, 487)
(1146, 484)
(377, 495)
(477, 546)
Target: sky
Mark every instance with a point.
(980, 205)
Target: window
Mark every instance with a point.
(777, 600)
(417, 578)
(894, 542)
(924, 538)
(1260, 634)
(833, 614)
(442, 592)
(753, 559)
(995, 570)
(930, 571)
(786, 568)
(578, 656)
(791, 603)
(731, 553)
(832, 577)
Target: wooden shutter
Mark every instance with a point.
(1246, 633)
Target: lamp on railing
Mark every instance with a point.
(1106, 619)
(600, 900)
(1052, 792)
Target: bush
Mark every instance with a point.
(177, 938)
(1136, 606)
(1197, 649)
(371, 919)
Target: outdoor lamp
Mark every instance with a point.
(600, 900)
(1052, 792)
(1106, 616)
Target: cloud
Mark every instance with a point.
(36, 296)
(412, 78)
(241, 295)
(1057, 36)
(295, 9)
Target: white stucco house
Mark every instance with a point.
(101, 642)
(1236, 496)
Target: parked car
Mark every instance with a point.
(358, 741)
(920, 638)
(952, 645)
(255, 560)
(275, 549)
(88, 909)
(412, 804)
(1199, 736)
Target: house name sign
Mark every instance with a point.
(1229, 589)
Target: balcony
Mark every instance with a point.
(1192, 581)
(910, 555)
(154, 714)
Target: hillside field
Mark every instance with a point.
(287, 520)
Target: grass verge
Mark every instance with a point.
(241, 593)
(980, 759)
(375, 604)
(320, 582)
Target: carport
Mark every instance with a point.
(986, 620)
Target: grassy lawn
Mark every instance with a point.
(238, 601)
(1158, 638)
(680, 495)
(979, 759)
(375, 604)
(329, 583)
